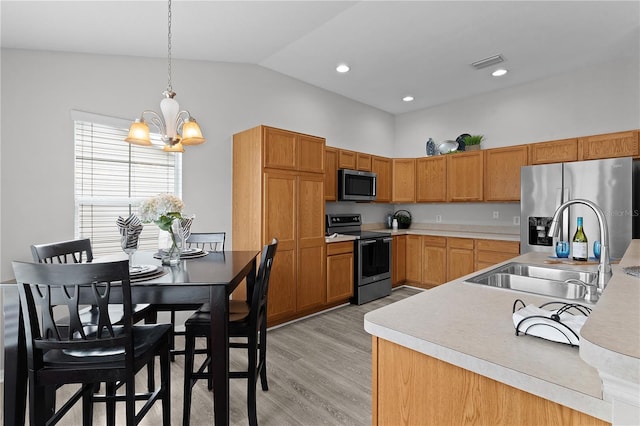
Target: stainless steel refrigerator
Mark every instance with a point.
(607, 183)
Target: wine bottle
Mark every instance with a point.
(579, 245)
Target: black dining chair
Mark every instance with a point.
(63, 350)
(80, 251)
(249, 323)
(207, 241)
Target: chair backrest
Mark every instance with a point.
(210, 241)
(50, 295)
(261, 289)
(72, 251)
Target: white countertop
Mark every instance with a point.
(503, 233)
(470, 325)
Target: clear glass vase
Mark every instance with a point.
(170, 244)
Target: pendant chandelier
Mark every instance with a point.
(178, 128)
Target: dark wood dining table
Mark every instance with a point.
(209, 279)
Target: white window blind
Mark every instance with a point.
(112, 177)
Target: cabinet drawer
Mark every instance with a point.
(499, 246)
(433, 241)
(462, 243)
(339, 248)
(493, 257)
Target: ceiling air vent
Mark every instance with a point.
(487, 62)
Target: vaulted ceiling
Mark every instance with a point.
(394, 48)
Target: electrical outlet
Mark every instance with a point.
(496, 215)
(438, 218)
(516, 220)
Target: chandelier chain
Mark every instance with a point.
(169, 88)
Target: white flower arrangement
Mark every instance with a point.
(161, 210)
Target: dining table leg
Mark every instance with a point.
(15, 360)
(219, 348)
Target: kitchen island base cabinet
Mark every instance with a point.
(410, 388)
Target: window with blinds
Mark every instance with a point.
(112, 177)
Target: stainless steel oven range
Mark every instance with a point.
(372, 257)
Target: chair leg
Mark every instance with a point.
(110, 404)
(130, 400)
(189, 348)
(165, 379)
(252, 366)
(262, 364)
(87, 405)
(172, 343)
(151, 379)
(39, 413)
(209, 375)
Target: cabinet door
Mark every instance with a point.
(553, 152)
(434, 260)
(610, 145)
(311, 284)
(280, 149)
(404, 180)
(346, 159)
(502, 173)
(311, 154)
(279, 209)
(330, 174)
(464, 176)
(460, 257)
(414, 259)
(398, 260)
(382, 168)
(431, 185)
(363, 162)
(339, 272)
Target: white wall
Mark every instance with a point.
(40, 88)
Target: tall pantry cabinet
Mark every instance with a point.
(278, 192)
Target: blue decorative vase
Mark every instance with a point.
(431, 147)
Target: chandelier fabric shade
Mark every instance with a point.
(177, 127)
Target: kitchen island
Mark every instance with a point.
(451, 355)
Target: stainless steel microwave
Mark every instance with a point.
(354, 185)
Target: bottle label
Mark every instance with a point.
(579, 250)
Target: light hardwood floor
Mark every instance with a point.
(319, 371)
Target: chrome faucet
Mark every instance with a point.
(604, 269)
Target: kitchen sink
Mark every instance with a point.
(546, 281)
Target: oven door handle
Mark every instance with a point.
(367, 242)
(387, 240)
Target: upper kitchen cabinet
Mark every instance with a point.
(561, 151)
(287, 150)
(382, 168)
(465, 176)
(404, 180)
(363, 162)
(431, 179)
(610, 145)
(330, 174)
(502, 173)
(346, 159)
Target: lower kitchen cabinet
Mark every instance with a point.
(398, 260)
(491, 252)
(434, 260)
(339, 271)
(411, 388)
(460, 257)
(414, 260)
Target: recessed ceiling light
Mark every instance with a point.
(342, 68)
(499, 72)
(407, 98)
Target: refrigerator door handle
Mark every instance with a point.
(566, 216)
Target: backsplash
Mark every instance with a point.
(481, 214)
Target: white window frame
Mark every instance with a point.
(109, 243)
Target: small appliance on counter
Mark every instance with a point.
(404, 219)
